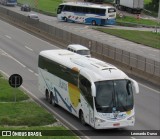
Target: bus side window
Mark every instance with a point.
(88, 10)
(84, 10)
(73, 8)
(85, 87)
(67, 8)
(79, 9)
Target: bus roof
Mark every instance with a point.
(95, 69)
(86, 4)
(77, 47)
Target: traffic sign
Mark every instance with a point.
(15, 80)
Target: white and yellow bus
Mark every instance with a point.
(96, 92)
(86, 13)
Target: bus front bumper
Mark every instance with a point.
(114, 124)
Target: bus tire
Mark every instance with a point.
(47, 95)
(65, 19)
(81, 117)
(52, 100)
(93, 23)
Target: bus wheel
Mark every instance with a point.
(93, 23)
(65, 19)
(52, 100)
(81, 117)
(47, 95)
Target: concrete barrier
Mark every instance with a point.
(132, 63)
(118, 56)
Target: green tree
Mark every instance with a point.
(153, 6)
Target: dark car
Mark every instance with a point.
(26, 8)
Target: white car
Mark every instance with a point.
(79, 49)
(33, 16)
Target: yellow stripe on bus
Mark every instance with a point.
(74, 94)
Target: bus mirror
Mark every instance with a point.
(93, 90)
(135, 86)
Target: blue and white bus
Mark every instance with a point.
(96, 92)
(8, 2)
(87, 13)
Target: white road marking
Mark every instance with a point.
(31, 70)
(3, 53)
(156, 91)
(41, 102)
(28, 48)
(13, 58)
(35, 74)
(33, 36)
(133, 138)
(9, 37)
(17, 61)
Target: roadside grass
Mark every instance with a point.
(7, 93)
(147, 38)
(49, 6)
(24, 114)
(134, 20)
(20, 113)
(27, 115)
(147, 1)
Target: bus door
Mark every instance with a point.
(87, 104)
(91, 116)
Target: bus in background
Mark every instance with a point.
(87, 13)
(96, 92)
(8, 2)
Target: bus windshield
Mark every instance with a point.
(114, 94)
(59, 10)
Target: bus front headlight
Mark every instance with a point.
(98, 120)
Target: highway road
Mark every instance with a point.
(88, 32)
(19, 54)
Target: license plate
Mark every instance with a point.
(116, 124)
